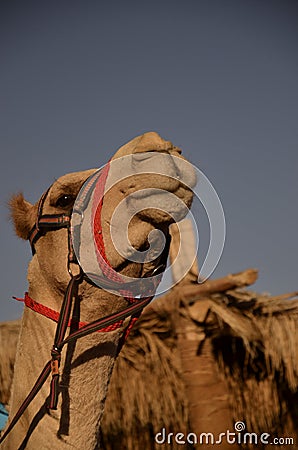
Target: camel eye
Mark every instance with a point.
(65, 200)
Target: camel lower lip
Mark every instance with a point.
(144, 193)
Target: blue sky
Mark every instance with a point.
(218, 78)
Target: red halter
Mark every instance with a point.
(53, 315)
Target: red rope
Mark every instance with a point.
(96, 215)
(102, 259)
(54, 315)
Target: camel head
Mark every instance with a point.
(147, 188)
(124, 217)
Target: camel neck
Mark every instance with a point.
(86, 368)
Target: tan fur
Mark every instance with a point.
(23, 215)
(87, 366)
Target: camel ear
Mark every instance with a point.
(22, 214)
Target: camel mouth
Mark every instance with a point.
(152, 192)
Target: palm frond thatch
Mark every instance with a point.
(254, 341)
(146, 392)
(256, 344)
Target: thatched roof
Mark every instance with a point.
(255, 343)
(146, 391)
(253, 340)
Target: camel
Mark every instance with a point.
(87, 364)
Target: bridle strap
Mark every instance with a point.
(46, 223)
(60, 335)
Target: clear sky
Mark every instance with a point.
(217, 77)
